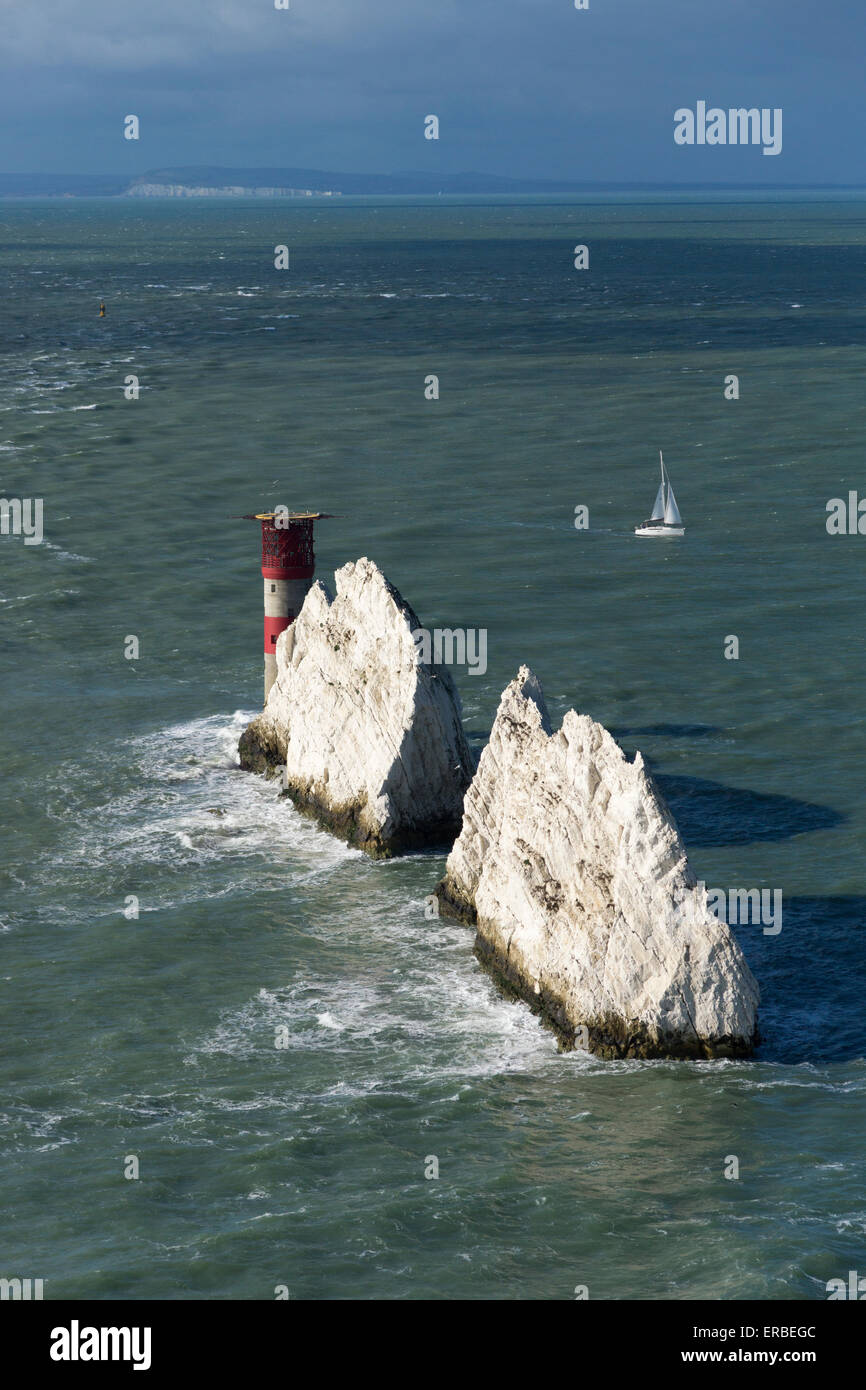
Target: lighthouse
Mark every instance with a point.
(288, 566)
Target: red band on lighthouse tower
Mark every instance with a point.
(273, 628)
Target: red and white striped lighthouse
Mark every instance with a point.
(288, 567)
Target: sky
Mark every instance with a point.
(524, 88)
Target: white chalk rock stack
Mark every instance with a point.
(370, 736)
(573, 871)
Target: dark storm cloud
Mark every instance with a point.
(526, 87)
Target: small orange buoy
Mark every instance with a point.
(102, 311)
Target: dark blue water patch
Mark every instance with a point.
(709, 813)
(813, 980)
(667, 731)
(501, 293)
(478, 740)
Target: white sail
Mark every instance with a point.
(658, 510)
(672, 511)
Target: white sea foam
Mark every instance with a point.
(328, 1021)
(433, 1015)
(67, 554)
(189, 805)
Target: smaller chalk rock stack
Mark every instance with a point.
(572, 869)
(370, 736)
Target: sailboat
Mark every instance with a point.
(665, 519)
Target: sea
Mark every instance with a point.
(239, 1059)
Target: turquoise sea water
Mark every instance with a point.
(154, 1037)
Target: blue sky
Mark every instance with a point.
(530, 88)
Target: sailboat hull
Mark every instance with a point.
(654, 529)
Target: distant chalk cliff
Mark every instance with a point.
(184, 190)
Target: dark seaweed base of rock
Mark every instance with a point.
(608, 1037)
(344, 822)
(453, 904)
(259, 757)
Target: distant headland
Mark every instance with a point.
(210, 181)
